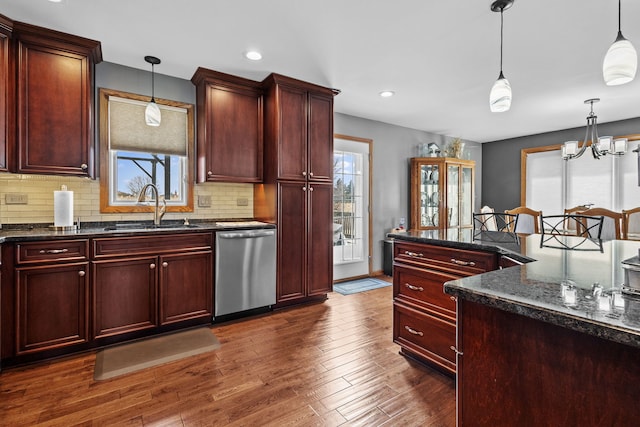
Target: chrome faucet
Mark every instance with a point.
(159, 211)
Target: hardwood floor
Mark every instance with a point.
(328, 364)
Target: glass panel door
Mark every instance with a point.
(429, 195)
(466, 197)
(453, 194)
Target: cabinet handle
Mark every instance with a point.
(414, 288)
(453, 299)
(209, 173)
(413, 254)
(465, 263)
(81, 273)
(455, 350)
(54, 251)
(84, 166)
(152, 266)
(304, 173)
(413, 331)
(165, 264)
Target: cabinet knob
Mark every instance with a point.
(310, 173)
(165, 264)
(310, 188)
(304, 173)
(81, 273)
(152, 266)
(209, 173)
(84, 166)
(304, 188)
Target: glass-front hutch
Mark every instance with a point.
(441, 193)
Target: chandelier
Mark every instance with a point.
(600, 146)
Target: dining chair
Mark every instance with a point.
(486, 219)
(579, 225)
(528, 220)
(494, 221)
(631, 224)
(612, 224)
(568, 211)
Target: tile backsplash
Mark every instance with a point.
(228, 200)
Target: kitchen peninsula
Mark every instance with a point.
(549, 342)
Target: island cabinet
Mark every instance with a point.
(51, 294)
(55, 76)
(230, 127)
(298, 189)
(147, 282)
(424, 317)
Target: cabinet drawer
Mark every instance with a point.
(425, 288)
(150, 244)
(459, 261)
(426, 335)
(52, 250)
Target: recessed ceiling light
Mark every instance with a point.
(55, 1)
(387, 93)
(253, 55)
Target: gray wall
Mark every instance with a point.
(501, 160)
(393, 146)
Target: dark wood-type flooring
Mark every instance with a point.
(328, 364)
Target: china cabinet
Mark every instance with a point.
(441, 192)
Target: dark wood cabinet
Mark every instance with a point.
(305, 245)
(55, 74)
(124, 296)
(145, 282)
(52, 295)
(424, 317)
(230, 129)
(298, 130)
(298, 189)
(6, 93)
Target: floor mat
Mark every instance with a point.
(131, 357)
(360, 285)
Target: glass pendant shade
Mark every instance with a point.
(620, 62)
(152, 114)
(500, 96)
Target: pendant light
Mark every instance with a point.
(500, 96)
(621, 61)
(152, 113)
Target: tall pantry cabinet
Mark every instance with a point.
(298, 186)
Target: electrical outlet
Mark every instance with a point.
(243, 201)
(204, 201)
(16, 198)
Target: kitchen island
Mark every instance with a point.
(549, 342)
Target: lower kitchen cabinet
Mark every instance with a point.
(52, 305)
(124, 296)
(424, 317)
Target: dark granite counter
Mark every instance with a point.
(34, 232)
(571, 282)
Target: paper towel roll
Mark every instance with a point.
(63, 208)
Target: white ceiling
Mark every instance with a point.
(440, 57)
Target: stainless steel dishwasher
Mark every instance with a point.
(245, 270)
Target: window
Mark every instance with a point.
(133, 154)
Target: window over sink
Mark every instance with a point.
(133, 154)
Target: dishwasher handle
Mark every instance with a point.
(246, 234)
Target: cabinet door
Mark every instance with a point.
(233, 145)
(320, 239)
(186, 286)
(292, 138)
(54, 107)
(52, 304)
(5, 101)
(320, 138)
(124, 296)
(292, 240)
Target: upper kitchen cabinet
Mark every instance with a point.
(230, 138)
(55, 75)
(298, 129)
(6, 92)
(441, 193)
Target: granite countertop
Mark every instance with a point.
(568, 281)
(32, 232)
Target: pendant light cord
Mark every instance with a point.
(153, 85)
(501, 35)
(619, 14)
